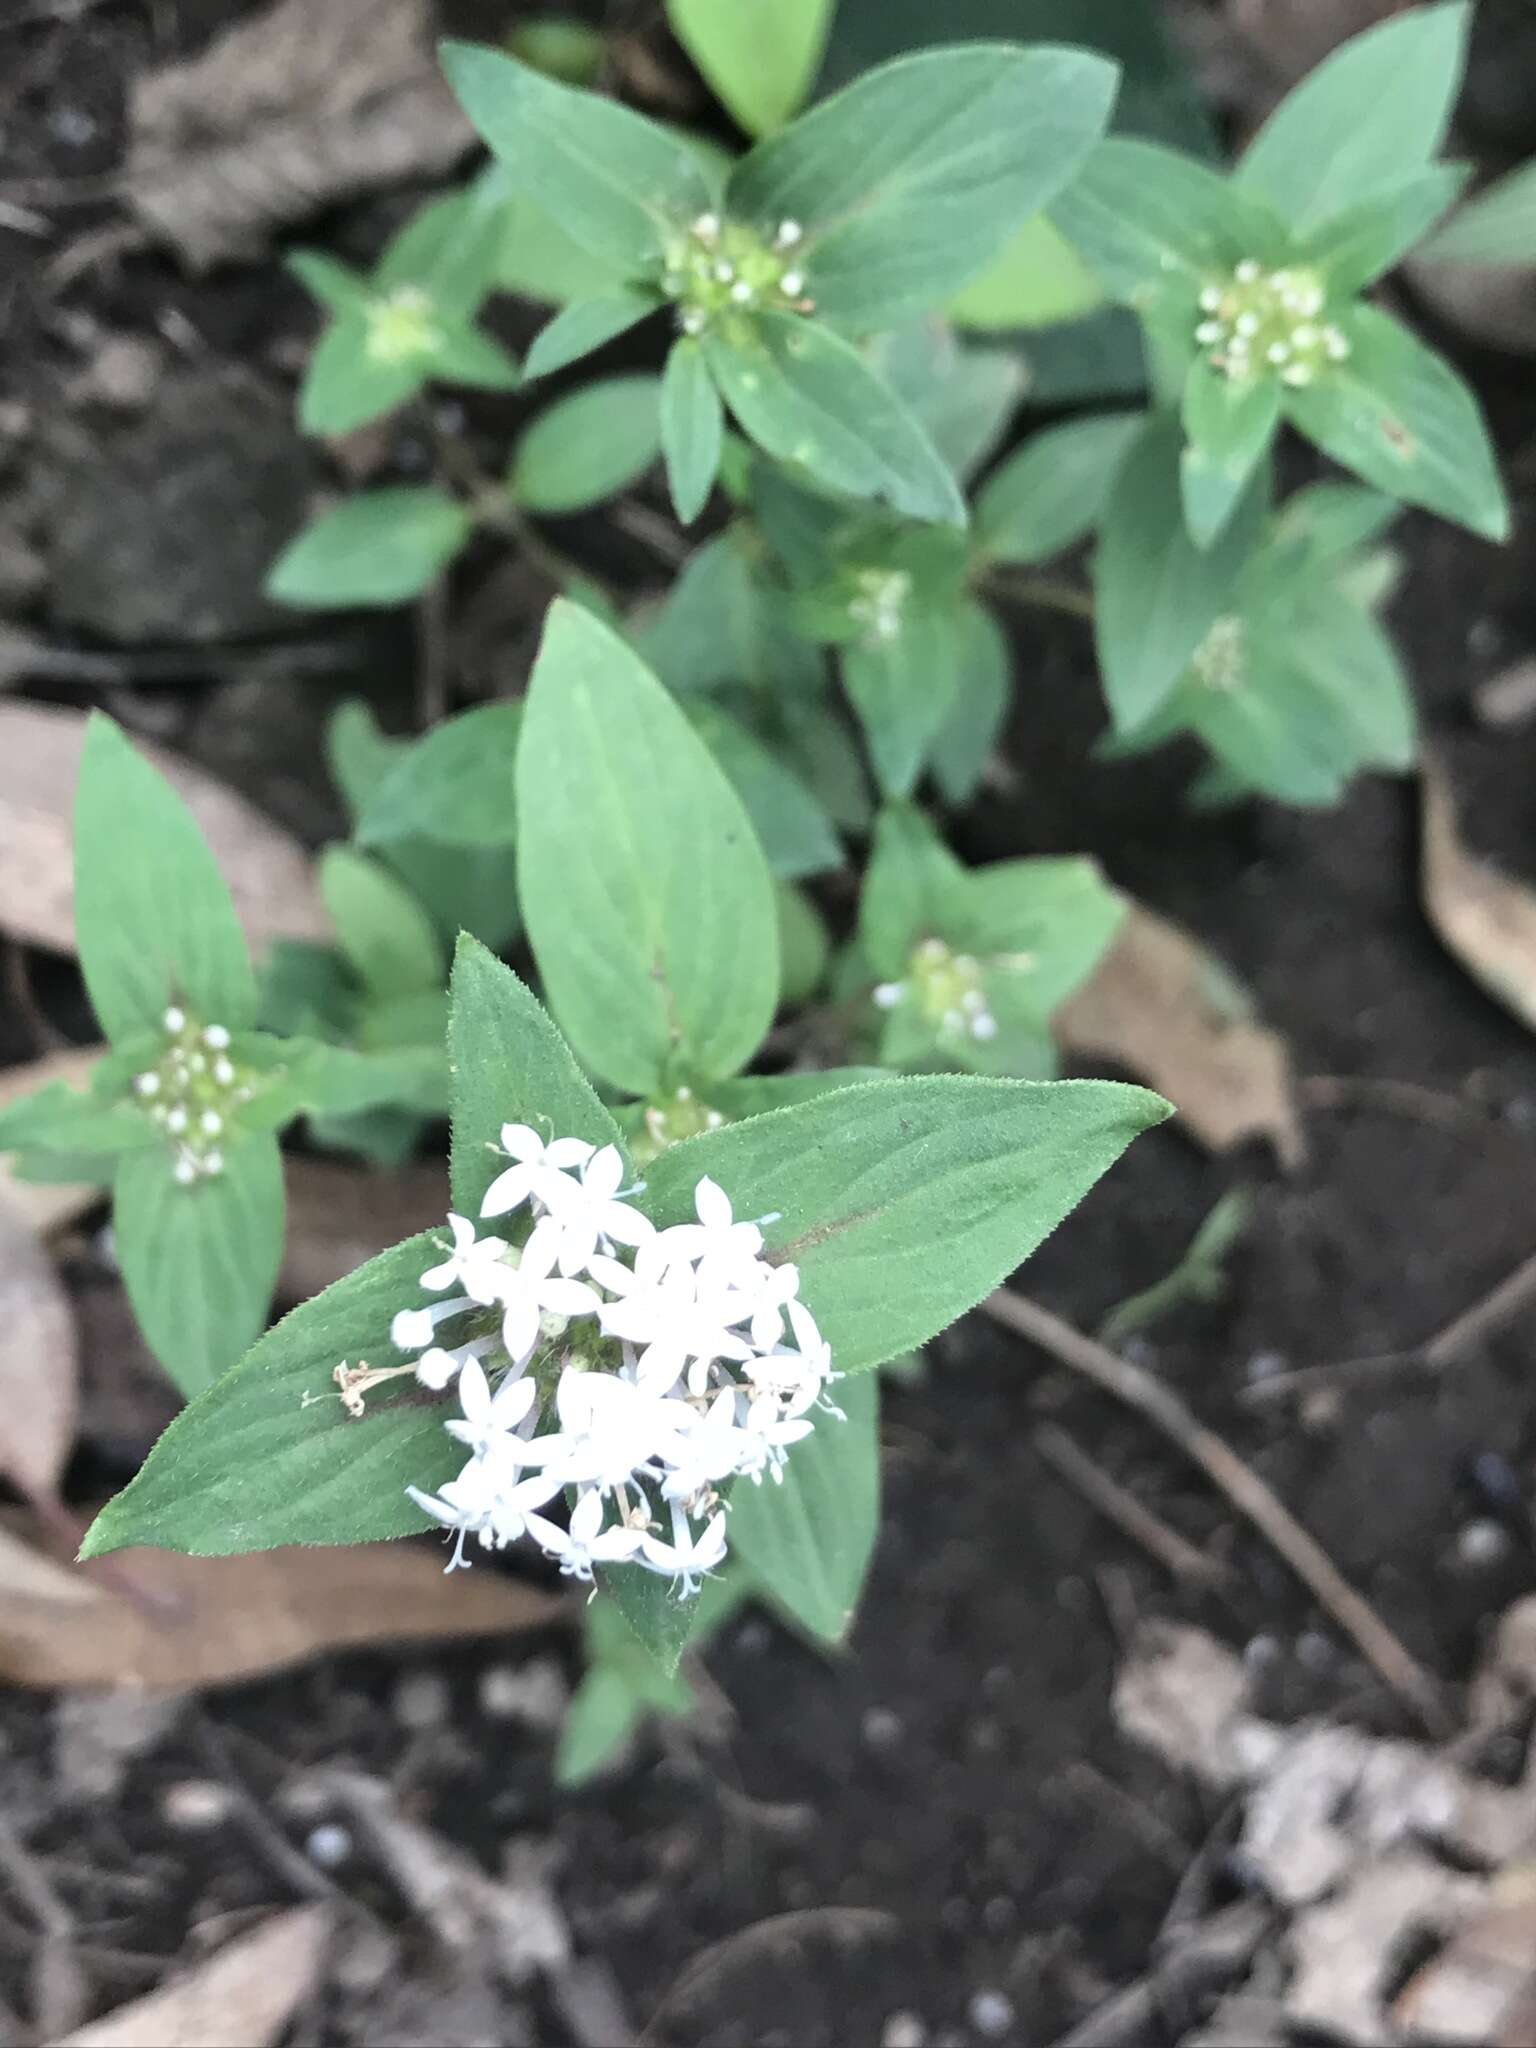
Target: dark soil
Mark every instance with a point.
(958, 1769)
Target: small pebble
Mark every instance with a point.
(1314, 1651)
(903, 2030)
(1260, 1652)
(422, 1701)
(1264, 1365)
(991, 2013)
(329, 1845)
(882, 1728)
(1482, 1542)
(194, 1804)
(72, 126)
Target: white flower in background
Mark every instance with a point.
(538, 1173)
(531, 1290)
(604, 1358)
(473, 1264)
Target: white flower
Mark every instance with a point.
(610, 1429)
(530, 1291)
(796, 1377)
(586, 1543)
(771, 1290)
(679, 1323)
(768, 1436)
(413, 1328)
(473, 1264)
(688, 1556)
(489, 1418)
(465, 1504)
(716, 1236)
(591, 1217)
(539, 1170)
(436, 1368)
(709, 1452)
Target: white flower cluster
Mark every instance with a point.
(192, 1093)
(1269, 320)
(879, 604)
(716, 266)
(634, 1368)
(948, 989)
(402, 326)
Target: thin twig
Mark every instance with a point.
(1447, 1347)
(276, 1849)
(432, 655)
(1071, 1462)
(1400, 1098)
(1248, 1493)
(651, 530)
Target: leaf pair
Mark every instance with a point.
(860, 215)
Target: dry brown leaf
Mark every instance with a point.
(1481, 1983)
(341, 1215)
(202, 1621)
(268, 872)
(1165, 1008)
(1485, 917)
(242, 1996)
(283, 115)
(46, 1205)
(39, 1362)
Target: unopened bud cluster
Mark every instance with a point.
(192, 1092)
(879, 603)
(1261, 322)
(946, 988)
(671, 1118)
(1218, 661)
(718, 267)
(403, 326)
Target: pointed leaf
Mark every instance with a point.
(910, 179)
(587, 446)
(692, 423)
(974, 722)
(381, 928)
(584, 327)
(902, 690)
(1050, 493)
(200, 1262)
(808, 397)
(905, 1201)
(1357, 245)
(454, 785)
(807, 1543)
(510, 1066)
(1369, 117)
(757, 56)
(381, 547)
(154, 919)
(1231, 423)
(615, 181)
(1399, 416)
(645, 893)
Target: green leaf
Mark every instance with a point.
(1497, 226)
(615, 181)
(382, 929)
(1231, 424)
(1368, 118)
(796, 834)
(268, 1455)
(909, 180)
(756, 1094)
(604, 1712)
(1399, 416)
(807, 1542)
(722, 622)
(539, 260)
(345, 387)
(336, 285)
(560, 47)
(692, 423)
(509, 1066)
(466, 356)
(200, 1262)
(154, 919)
(973, 725)
(584, 327)
(902, 690)
(963, 397)
(454, 785)
(1357, 245)
(331, 1081)
(381, 547)
(903, 1202)
(1156, 594)
(60, 1119)
(758, 57)
(587, 446)
(1036, 279)
(805, 946)
(646, 896)
(449, 249)
(808, 397)
(1047, 496)
(1140, 216)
